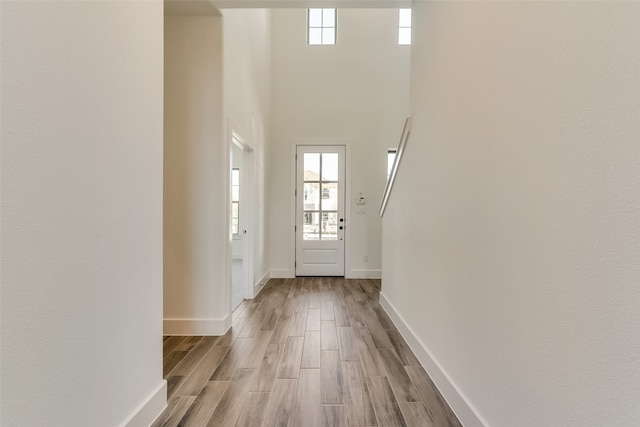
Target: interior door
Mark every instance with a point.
(320, 210)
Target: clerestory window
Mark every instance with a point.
(321, 26)
(404, 26)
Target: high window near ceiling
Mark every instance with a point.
(404, 26)
(321, 26)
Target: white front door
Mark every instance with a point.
(320, 210)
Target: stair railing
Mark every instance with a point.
(406, 131)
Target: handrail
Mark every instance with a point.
(406, 131)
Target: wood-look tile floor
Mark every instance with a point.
(305, 352)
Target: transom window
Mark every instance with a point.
(404, 26)
(321, 26)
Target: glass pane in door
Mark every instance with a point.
(329, 226)
(330, 166)
(311, 226)
(311, 196)
(312, 166)
(330, 196)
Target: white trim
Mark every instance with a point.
(291, 272)
(150, 409)
(260, 285)
(466, 413)
(295, 142)
(364, 274)
(282, 273)
(347, 210)
(214, 327)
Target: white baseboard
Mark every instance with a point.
(465, 412)
(215, 327)
(150, 409)
(282, 273)
(364, 274)
(260, 285)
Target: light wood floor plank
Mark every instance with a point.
(313, 319)
(342, 315)
(282, 404)
(233, 400)
(173, 413)
(188, 343)
(311, 350)
(416, 415)
(378, 333)
(327, 311)
(195, 356)
(254, 411)
(291, 359)
(402, 386)
(270, 321)
(434, 402)
(254, 324)
(315, 299)
(236, 327)
(332, 385)
(402, 349)
(386, 407)
(226, 369)
(171, 360)
(281, 331)
(368, 353)
(268, 369)
(204, 405)
(302, 303)
(360, 407)
(329, 335)
(383, 317)
(308, 410)
(194, 382)
(298, 324)
(173, 383)
(348, 344)
(257, 350)
(169, 344)
(334, 416)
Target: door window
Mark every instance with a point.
(320, 196)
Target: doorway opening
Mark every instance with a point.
(241, 268)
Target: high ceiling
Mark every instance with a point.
(209, 7)
(311, 3)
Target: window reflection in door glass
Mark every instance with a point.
(329, 226)
(311, 196)
(330, 196)
(311, 226)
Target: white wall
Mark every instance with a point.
(81, 213)
(354, 92)
(512, 238)
(216, 79)
(247, 98)
(196, 179)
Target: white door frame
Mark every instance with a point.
(347, 207)
(246, 218)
